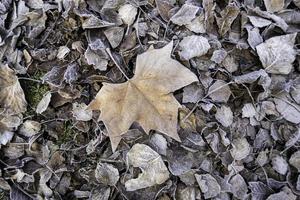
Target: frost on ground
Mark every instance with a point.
(149, 99)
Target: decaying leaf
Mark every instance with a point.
(289, 110)
(30, 128)
(185, 14)
(146, 98)
(193, 46)
(274, 5)
(12, 98)
(224, 115)
(228, 15)
(219, 91)
(106, 174)
(240, 148)
(128, 13)
(153, 168)
(208, 185)
(44, 103)
(81, 112)
(277, 54)
(295, 160)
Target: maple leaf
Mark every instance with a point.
(146, 98)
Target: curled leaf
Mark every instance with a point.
(153, 168)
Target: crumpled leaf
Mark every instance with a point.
(44, 103)
(219, 91)
(240, 148)
(114, 35)
(30, 128)
(259, 190)
(286, 193)
(146, 98)
(153, 168)
(208, 185)
(238, 187)
(192, 93)
(224, 115)
(289, 110)
(277, 54)
(96, 55)
(228, 15)
(164, 7)
(127, 12)
(274, 5)
(295, 160)
(5, 137)
(193, 46)
(185, 14)
(12, 98)
(279, 164)
(81, 112)
(106, 174)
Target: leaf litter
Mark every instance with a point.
(151, 99)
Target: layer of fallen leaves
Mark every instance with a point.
(191, 99)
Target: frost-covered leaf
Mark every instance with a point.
(286, 193)
(218, 56)
(185, 14)
(240, 148)
(259, 190)
(238, 187)
(193, 46)
(62, 52)
(280, 165)
(30, 128)
(208, 185)
(146, 98)
(127, 13)
(5, 137)
(197, 25)
(219, 91)
(81, 112)
(277, 54)
(259, 22)
(44, 103)
(106, 174)
(164, 7)
(153, 168)
(192, 93)
(248, 110)
(274, 5)
(114, 35)
(12, 98)
(289, 110)
(228, 15)
(96, 55)
(295, 160)
(224, 115)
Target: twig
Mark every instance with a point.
(118, 66)
(30, 79)
(199, 100)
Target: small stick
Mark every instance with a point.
(113, 59)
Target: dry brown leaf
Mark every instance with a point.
(146, 98)
(12, 98)
(274, 5)
(228, 15)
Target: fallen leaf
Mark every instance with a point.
(228, 15)
(44, 103)
(81, 112)
(164, 7)
(280, 165)
(219, 91)
(106, 174)
(295, 160)
(30, 128)
(240, 148)
(185, 14)
(224, 115)
(259, 190)
(12, 98)
(277, 54)
(274, 5)
(259, 22)
(146, 98)
(154, 171)
(239, 187)
(289, 110)
(127, 13)
(208, 185)
(193, 46)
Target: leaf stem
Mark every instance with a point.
(113, 59)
